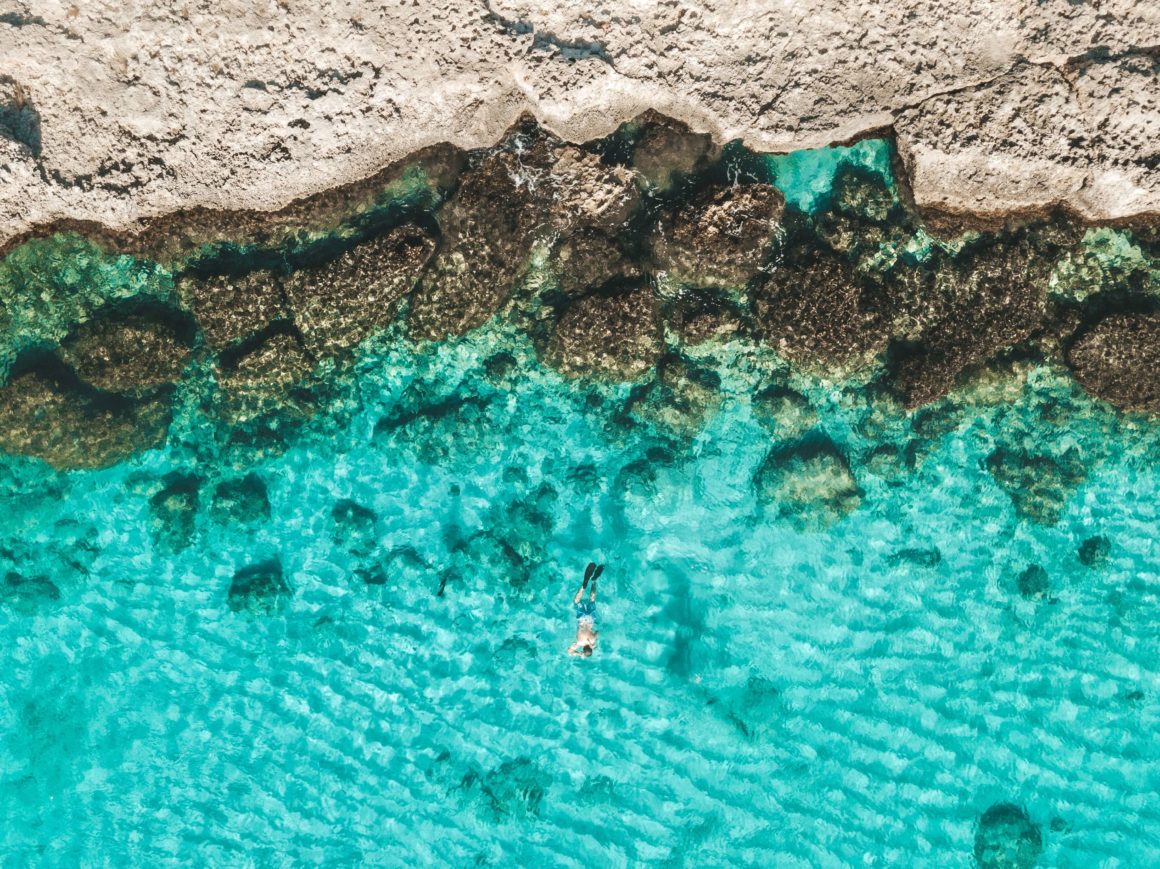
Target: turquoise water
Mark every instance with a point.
(806, 177)
(762, 694)
(775, 684)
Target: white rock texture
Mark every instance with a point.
(117, 110)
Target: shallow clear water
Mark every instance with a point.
(768, 689)
(761, 694)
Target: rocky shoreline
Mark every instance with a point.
(113, 115)
(616, 256)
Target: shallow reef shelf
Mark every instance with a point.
(292, 516)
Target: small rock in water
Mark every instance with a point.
(354, 527)
(810, 481)
(243, 500)
(888, 462)
(755, 707)
(373, 574)
(260, 588)
(512, 791)
(1094, 551)
(1007, 839)
(784, 411)
(920, 557)
(403, 566)
(27, 594)
(174, 511)
(1039, 485)
(1033, 583)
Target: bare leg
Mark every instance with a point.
(588, 573)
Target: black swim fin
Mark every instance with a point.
(588, 571)
(596, 573)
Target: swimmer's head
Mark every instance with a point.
(586, 651)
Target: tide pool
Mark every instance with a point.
(772, 687)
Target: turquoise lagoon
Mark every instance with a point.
(767, 691)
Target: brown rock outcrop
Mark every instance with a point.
(1117, 360)
(337, 305)
(721, 237)
(612, 337)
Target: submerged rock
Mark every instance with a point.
(525, 524)
(1116, 360)
(1039, 485)
(721, 237)
(337, 305)
(889, 461)
(990, 297)
(230, 308)
(262, 375)
(1094, 551)
(354, 527)
(488, 555)
(402, 566)
(784, 411)
(614, 337)
(241, 501)
(173, 511)
(666, 150)
(809, 481)
(487, 237)
(817, 311)
(862, 193)
(502, 370)
(754, 708)
(587, 192)
(700, 325)
(260, 588)
(512, 791)
(681, 399)
(929, 557)
(46, 413)
(1007, 839)
(27, 594)
(588, 260)
(861, 221)
(1033, 583)
(129, 352)
(439, 424)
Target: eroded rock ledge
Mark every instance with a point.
(997, 105)
(626, 258)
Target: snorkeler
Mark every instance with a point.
(586, 613)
